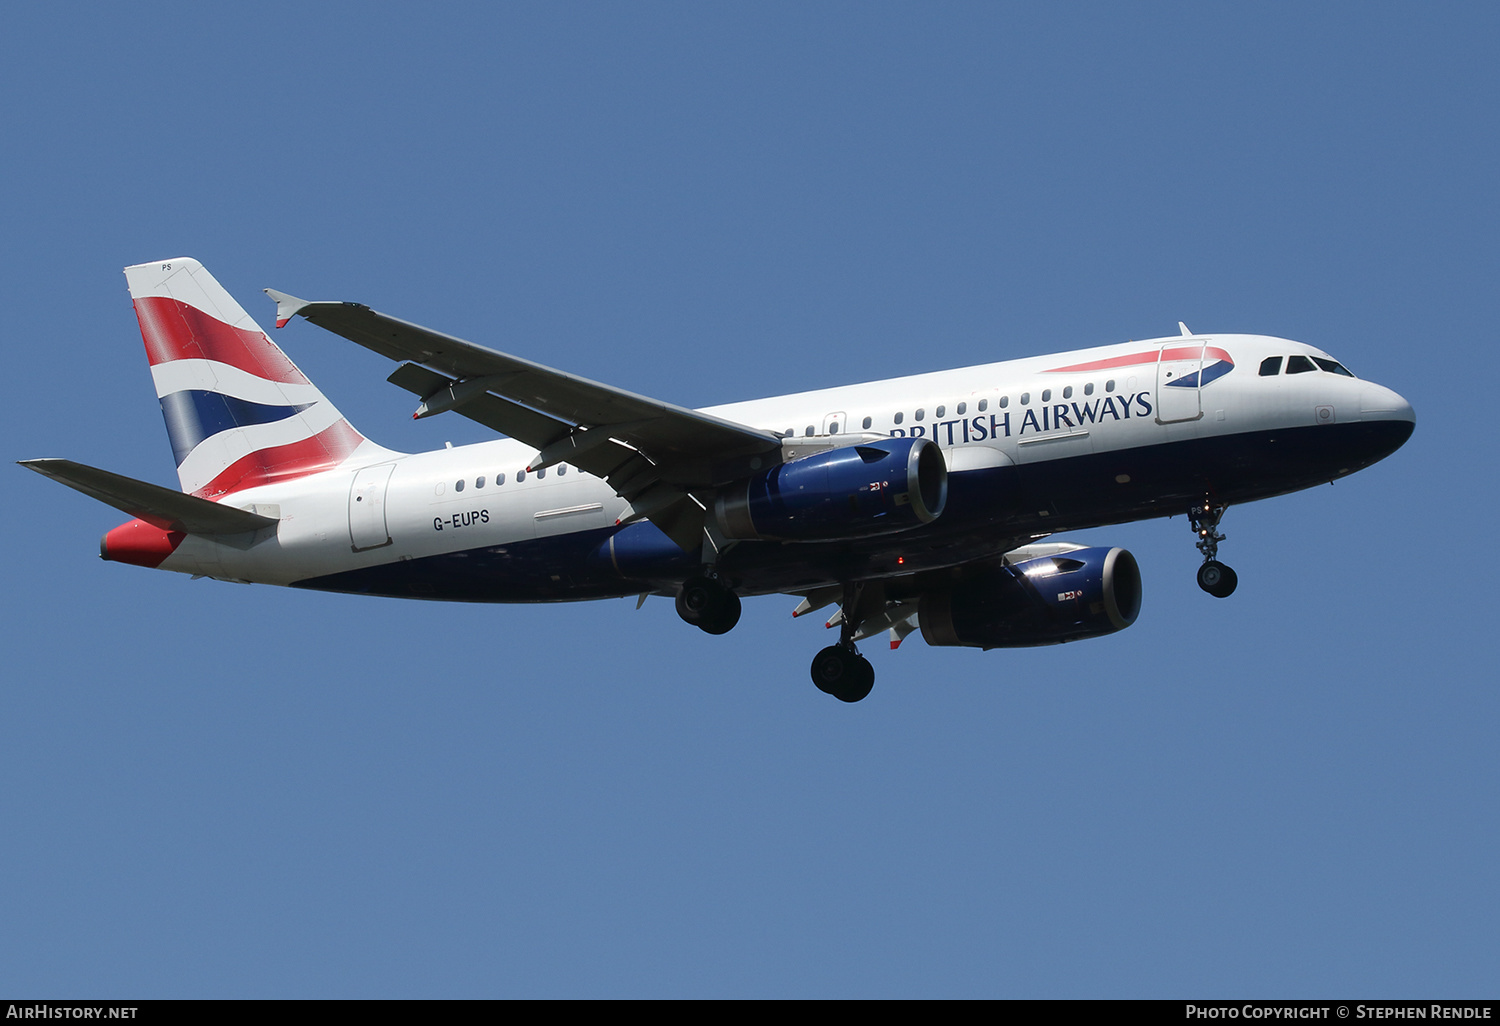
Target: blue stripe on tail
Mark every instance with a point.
(194, 414)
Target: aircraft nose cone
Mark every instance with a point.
(1386, 422)
(1377, 402)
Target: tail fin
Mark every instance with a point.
(238, 412)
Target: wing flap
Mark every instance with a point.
(556, 441)
(492, 411)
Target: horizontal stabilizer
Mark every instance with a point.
(158, 506)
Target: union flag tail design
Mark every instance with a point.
(238, 412)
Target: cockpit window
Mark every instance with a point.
(1299, 365)
(1332, 366)
(1270, 367)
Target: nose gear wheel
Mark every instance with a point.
(1217, 579)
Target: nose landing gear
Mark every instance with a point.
(1213, 577)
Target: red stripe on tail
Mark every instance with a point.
(172, 330)
(323, 451)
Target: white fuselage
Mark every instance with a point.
(1013, 414)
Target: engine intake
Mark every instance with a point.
(1080, 593)
(856, 491)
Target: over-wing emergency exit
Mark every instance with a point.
(919, 504)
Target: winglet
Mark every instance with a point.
(287, 306)
(1183, 327)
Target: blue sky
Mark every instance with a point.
(218, 790)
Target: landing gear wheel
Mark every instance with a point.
(728, 615)
(708, 605)
(842, 672)
(1217, 579)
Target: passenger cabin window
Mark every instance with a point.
(809, 431)
(1270, 367)
(941, 410)
(562, 468)
(458, 486)
(1299, 365)
(984, 404)
(520, 476)
(1088, 389)
(900, 417)
(479, 482)
(1068, 392)
(1025, 398)
(1046, 395)
(499, 480)
(867, 423)
(1004, 401)
(962, 408)
(1332, 366)
(1109, 386)
(920, 414)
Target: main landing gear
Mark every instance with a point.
(708, 604)
(839, 670)
(1213, 577)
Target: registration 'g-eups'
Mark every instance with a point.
(913, 503)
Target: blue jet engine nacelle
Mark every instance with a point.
(855, 491)
(1082, 593)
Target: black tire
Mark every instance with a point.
(859, 684)
(726, 614)
(842, 673)
(708, 605)
(830, 668)
(1217, 579)
(694, 599)
(1230, 581)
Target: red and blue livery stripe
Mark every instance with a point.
(1216, 363)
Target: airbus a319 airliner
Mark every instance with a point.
(918, 503)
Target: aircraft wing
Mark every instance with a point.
(654, 454)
